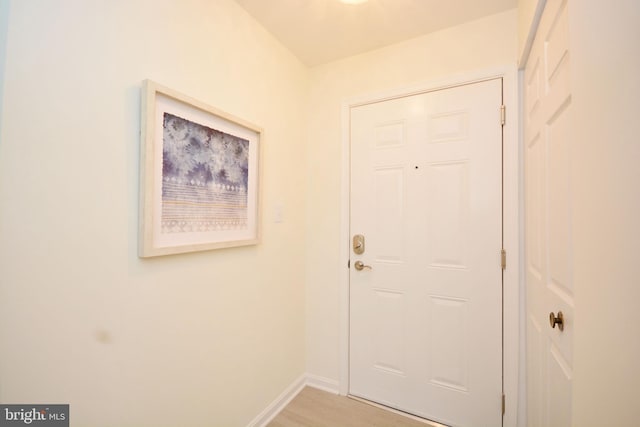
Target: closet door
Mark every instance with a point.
(549, 145)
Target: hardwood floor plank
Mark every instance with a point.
(317, 408)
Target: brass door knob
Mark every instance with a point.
(359, 265)
(556, 320)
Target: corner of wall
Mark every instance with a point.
(275, 407)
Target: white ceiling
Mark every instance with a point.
(320, 31)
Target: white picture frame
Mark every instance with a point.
(199, 176)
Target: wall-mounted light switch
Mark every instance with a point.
(278, 213)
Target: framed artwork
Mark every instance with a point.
(199, 176)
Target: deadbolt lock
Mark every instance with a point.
(358, 244)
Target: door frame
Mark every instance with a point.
(513, 346)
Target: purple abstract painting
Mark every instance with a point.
(205, 175)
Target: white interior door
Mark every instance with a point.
(426, 311)
(548, 146)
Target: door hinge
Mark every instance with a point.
(503, 404)
(349, 263)
(503, 114)
(503, 259)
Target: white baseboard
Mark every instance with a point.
(322, 383)
(279, 404)
(315, 381)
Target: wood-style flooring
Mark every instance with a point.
(316, 408)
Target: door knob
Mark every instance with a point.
(359, 265)
(556, 320)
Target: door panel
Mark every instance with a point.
(389, 213)
(448, 226)
(449, 352)
(426, 317)
(548, 197)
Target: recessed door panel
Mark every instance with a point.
(559, 383)
(388, 244)
(453, 126)
(559, 201)
(389, 344)
(447, 226)
(449, 343)
(535, 358)
(390, 135)
(532, 88)
(533, 181)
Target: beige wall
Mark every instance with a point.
(605, 64)
(484, 44)
(4, 24)
(197, 340)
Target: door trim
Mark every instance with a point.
(513, 351)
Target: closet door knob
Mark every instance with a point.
(556, 320)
